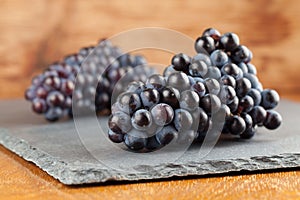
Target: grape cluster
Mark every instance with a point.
(217, 86)
(87, 78)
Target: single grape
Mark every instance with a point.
(135, 143)
(237, 125)
(273, 120)
(243, 86)
(246, 104)
(204, 44)
(215, 34)
(256, 96)
(141, 120)
(230, 69)
(210, 103)
(227, 94)
(251, 69)
(129, 102)
(212, 86)
(39, 105)
(166, 135)
(199, 87)
(181, 62)
(240, 54)
(258, 115)
(198, 69)
(162, 114)
(233, 106)
(189, 100)
(157, 81)
(115, 137)
(119, 122)
(149, 97)
(183, 120)
(179, 80)
(229, 41)
(270, 99)
(219, 58)
(228, 80)
(170, 96)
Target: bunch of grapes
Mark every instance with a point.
(85, 80)
(217, 86)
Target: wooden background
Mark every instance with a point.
(34, 33)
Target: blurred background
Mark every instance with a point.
(35, 33)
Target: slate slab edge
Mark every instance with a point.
(73, 174)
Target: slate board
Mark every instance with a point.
(89, 157)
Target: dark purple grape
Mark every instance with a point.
(229, 41)
(149, 97)
(256, 96)
(162, 114)
(169, 96)
(214, 33)
(248, 133)
(153, 143)
(212, 86)
(157, 81)
(243, 67)
(246, 104)
(205, 44)
(135, 87)
(270, 99)
(115, 137)
(189, 100)
(135, 143)
(233, 106)
(52, 82)
(179, 80)
(237, 125)
(141, 120)
(199, 87)
(273, 120)
(119, 122)
(210, 103)
(253, 79)
(219, 58)
(181, 62)
(183, 120)
(258, 115)
(228, 80)
(67, 87)
(251, 69)
(198, 69)
(30, 94)
(202, 57)
(240, 54)
(227, 94)
(168, 71)
(243, 86)
(53, 114)
(248, 120)
(213, 72)
(39, 105)
(166, 135)
(230, 69)
(202, 120)
(55, 98)
(129, 102)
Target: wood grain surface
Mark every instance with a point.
(35, 33)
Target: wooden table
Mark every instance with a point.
(36, 33)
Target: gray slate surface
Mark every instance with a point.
(81, 153)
